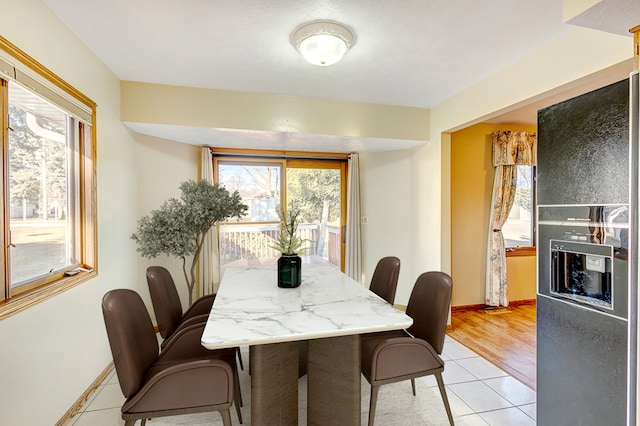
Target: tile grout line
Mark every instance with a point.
(107, 380)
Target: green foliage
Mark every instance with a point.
(178, 227)
(289, 242)
(310, 188)
(37, 164)
(166, 231)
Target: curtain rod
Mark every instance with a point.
(289, 155)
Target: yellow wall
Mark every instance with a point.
(471, 188)
(521, 277)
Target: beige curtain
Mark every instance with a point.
(209, 257)
(353, 266)
(510, 149)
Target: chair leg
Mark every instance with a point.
(372, 403)
(240, 358)
(237, 394)
(226, 417)
(235, 402)
(413, 386)
(443, 392)
(236, 384)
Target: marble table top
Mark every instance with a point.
(250, 308)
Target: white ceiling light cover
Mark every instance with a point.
(322, 43)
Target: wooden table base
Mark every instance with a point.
(274, 384)
(333, 382)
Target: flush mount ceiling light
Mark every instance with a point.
(322, 42)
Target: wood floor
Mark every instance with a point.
(506, 337)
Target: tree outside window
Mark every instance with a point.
(518, 229)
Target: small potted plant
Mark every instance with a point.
(290, 246)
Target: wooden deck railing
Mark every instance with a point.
(251, 242)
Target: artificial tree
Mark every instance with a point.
(178, 227)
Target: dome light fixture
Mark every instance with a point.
(322, 43)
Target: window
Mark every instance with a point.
(48, 203)
(316, 187)
(259, 185)
(518, 231)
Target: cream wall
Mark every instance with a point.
(208, 108)
(385, 197)
(472, 176)
(162, 165)
(426, 217)
(53, 351)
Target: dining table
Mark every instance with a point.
(329, 311)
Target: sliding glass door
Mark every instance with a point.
(316, 187)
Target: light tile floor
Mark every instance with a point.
(479, 393)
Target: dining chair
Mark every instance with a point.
(172, 382)
(385, 278)
(400, 355)
(186, 343)
(384, 283)
(168, 308)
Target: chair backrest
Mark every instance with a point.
(429, 307)
(385, 278)
(133, 342)
(165, 299)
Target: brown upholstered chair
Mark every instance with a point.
(385, 278)
(176, 381)
(395, 356)
(168, 308)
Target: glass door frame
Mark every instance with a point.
(289, 161)
(333, 165)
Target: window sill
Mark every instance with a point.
(22, 302)
(520, 251)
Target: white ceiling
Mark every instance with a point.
(409, 53)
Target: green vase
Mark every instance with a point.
(289, 271)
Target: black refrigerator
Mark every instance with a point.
(587, 199)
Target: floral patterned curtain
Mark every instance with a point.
(510, 149)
